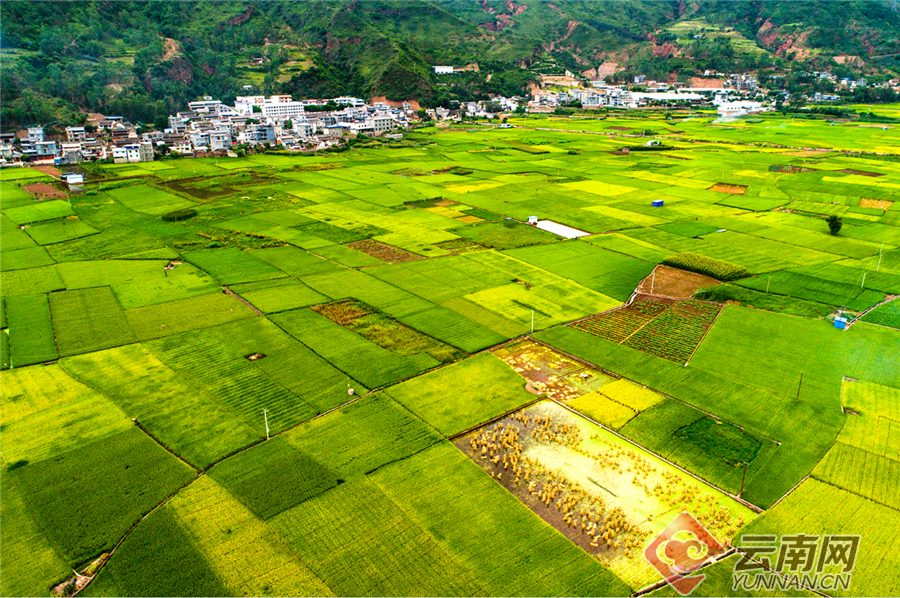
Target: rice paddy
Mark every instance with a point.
(365, 373)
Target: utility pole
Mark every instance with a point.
(879, 258)
(768, 283)
(532, 321)
(266, 415)
(864, 281)
(799, 386)
(652, 280)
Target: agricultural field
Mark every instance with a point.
(668, 329)
(606, 495)
(364, 373)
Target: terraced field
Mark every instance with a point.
(296, 390)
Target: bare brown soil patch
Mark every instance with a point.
(44, 191)
(675, 283)
(708, 83)
(729, 188)
(620, 128)
(383, 251)
(878, 204)
(51, 170)
(172, 49)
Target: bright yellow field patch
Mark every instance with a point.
(470, 187)
(448, 212)
(599, 188)
(632, 395)
(470, 219)
(241, 548)
(757, 174)
(656, 177)
(601, 408)
(67, 413)
(607, 495)
(852, 179)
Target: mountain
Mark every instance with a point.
(148, 59)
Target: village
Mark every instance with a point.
(210, 127)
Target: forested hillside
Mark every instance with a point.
(146, 60)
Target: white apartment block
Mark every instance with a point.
(219, 139)
(244, 104)
(35, 134)
(133, 152)
(282, 110)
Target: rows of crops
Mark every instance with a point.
(137, 389)
(671, 330)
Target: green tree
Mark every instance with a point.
(834, 224)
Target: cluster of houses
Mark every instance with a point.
(210, 126)
(602, 95)
(112, 137)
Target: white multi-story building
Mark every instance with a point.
(276, 108)
(133, 152)
(348, 101)
(205, 106)
(304, 128)
(70, 153)
(35, 134)
(282, 110)
(257, 133)
(244, 104)
(75, 134)
(443, 70)
(219, 139)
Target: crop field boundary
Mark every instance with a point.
(497, 417)
(853, 492)
(786, 494)
(781, 574)
(203, 472)
(620, 376)
(735, 497)
(131, 529)
(662, 583)
(863, 314)
(228, 291)
(597, 315)
(705, 333)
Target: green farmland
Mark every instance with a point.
(362, 373)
